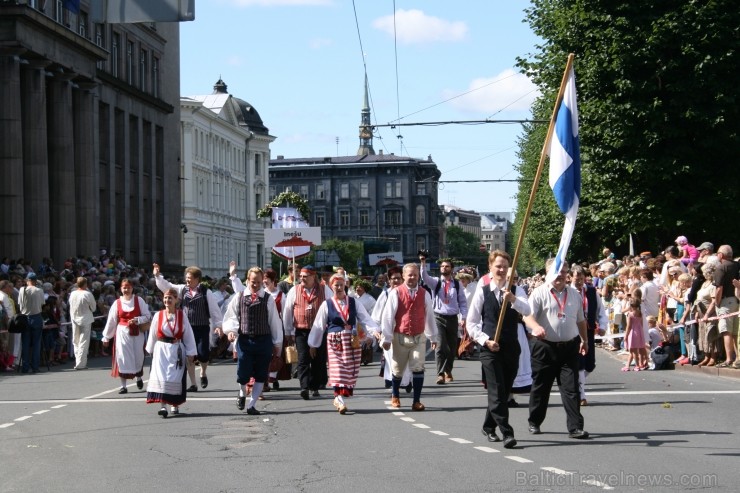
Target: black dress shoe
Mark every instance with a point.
(139, 384)
(253, 411)
(534, 429)
(578, 434)
(275, 385)
(123, 390)
(513, 403)
(492, 436)
(193, 388)
(304, 394)
(409, 388)
(204, 382)
(316, 393)
(509, 442)
(241, 403)
(163, 412)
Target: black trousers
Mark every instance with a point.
(588, 362)
(499, 370)
(312, 373)
(447, 347)
(552, 360)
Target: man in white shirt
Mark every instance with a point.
(81, 307)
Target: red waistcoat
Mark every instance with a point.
(411, 314)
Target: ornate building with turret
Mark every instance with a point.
(225, 148)
(377, 198)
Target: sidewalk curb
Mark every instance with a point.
(704, 370)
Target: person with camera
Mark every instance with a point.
(450, 304)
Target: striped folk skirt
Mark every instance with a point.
(344, 361)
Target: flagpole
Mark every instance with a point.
(533, 192)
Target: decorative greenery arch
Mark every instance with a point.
(287, 199)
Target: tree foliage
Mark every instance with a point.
(658, 100)
(464, 247)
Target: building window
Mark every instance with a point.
(155, 77)
(344, 219)
(304, 192)
(399, 187)
(59, 11)
(115, 55)
(389, 190)
(320, 218)
(288, 188)
(130, 62)
(143, 55)
(421, 214)
(258, 201)
(364, 190)
(100, 41)
(421, 243)
(421, 189)
(364, 217)
(272, 192)
(258, 164)
(82, 24)
(320, 191)
(392, 218)
(344, 191)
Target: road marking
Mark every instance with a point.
(6, 425)
(398, 413)
(408, 420)
(593, 482)
(23, 418)
(486, 449)
(42, 411)
(440, 433)
(555, 470)
(419, 425)
(460, 440)
(59, 406)
(518, 459)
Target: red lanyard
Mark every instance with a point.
(585, 301)
(447, 288)
(310, 296)
(561, 308)
(343, 311)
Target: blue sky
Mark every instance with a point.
(300, 64)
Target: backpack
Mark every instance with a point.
(439, 283)
(661, 357)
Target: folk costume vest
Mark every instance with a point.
(306, 306)
(197, 305)
(124, 317)
(177, 331)
(253, 314)
(337, 321)
(490, 315)
(411, 313)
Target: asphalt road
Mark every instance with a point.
(68, 430)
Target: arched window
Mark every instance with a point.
(421, 214)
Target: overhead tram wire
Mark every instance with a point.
(395, 59)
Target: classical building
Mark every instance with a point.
(89, 154)
(225, 151)
(494, 230)
(367, 197)
(468, 221)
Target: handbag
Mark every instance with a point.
(275, 364)
(466, 345)
(291, 355)
(18, 324)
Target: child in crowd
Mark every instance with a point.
(634, 337)
(655, 334)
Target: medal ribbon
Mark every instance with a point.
(561, 308)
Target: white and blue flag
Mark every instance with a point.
(565, 168)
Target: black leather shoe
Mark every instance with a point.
(509, 442)
(253, 411)
(241, 402)
(123, 390)
(304, 394)
(513, 403)
(492, 436)
(193, 388)
(139, 384)
(534, 429)
(578, 434)
(204, 382)
(163, 412)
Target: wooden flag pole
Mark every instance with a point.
(533, 192)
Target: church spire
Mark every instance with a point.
(366, 129)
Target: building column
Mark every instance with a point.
(11, 155)
(62, 186)
(86, 169)
(35, 161)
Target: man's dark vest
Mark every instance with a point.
(490, 314)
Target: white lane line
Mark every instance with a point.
(518, 459)
(486, 449)
(555, 470)
(59, 406)
(593, 482)
(460, 440)
(23, 418)
(399, 413)
(407, 419)
(42, 411)
(419, 425)
(6, 425)
(440, 433)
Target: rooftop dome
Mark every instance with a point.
(246, 114)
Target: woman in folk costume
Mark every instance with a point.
(170, 343)
(339, 316)
(124, 318)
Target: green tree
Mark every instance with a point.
(464, 246)
(658, 101)
(349, 252)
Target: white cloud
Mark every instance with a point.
(414, 26)
(318, 43)
(506, 92)
(278, 3)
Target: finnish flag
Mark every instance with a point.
(565, 168)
